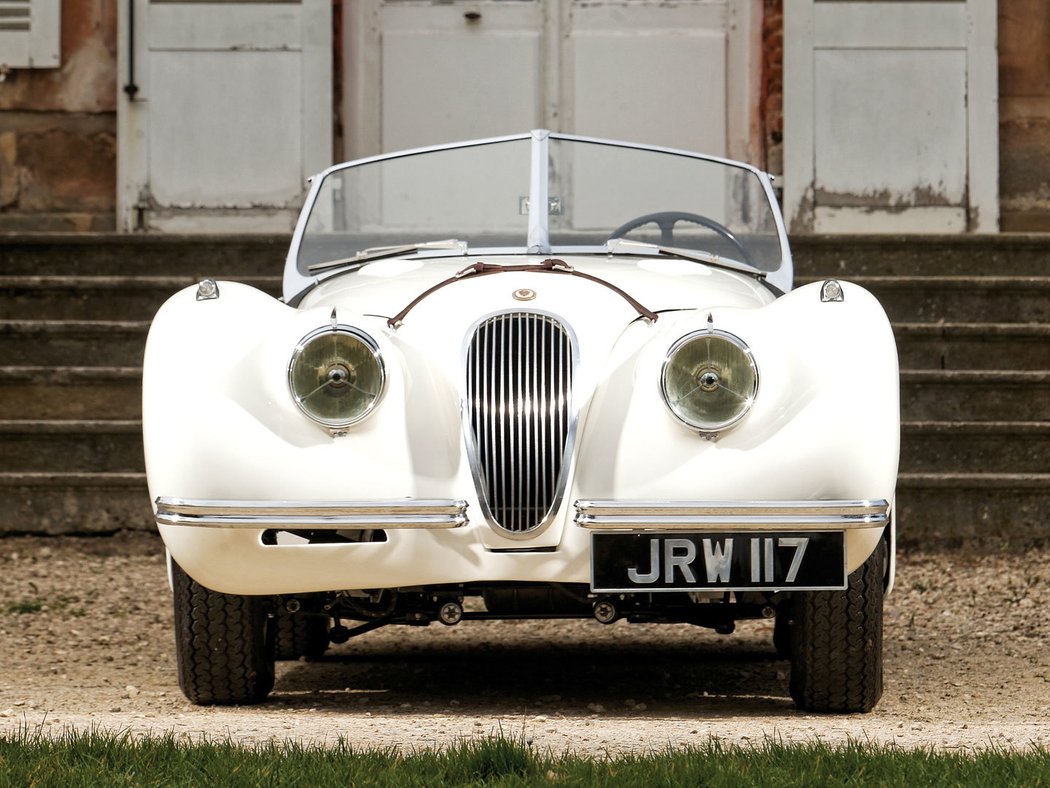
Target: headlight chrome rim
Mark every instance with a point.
(339, 374)
(710, 382)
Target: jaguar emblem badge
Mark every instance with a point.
(524, 294)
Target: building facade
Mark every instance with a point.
(189, 116)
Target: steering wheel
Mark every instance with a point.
(666, 220)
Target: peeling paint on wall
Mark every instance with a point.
(885, 200)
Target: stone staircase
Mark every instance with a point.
(972, 321)
(971, 316)
(74, 313)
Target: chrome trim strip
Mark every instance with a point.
(321, 515)
(538, 239)
(731, 515)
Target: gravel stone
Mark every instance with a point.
(966, 666)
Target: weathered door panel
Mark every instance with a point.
(232, 110)
(656, 73)
(890, 121)
(676, 72)
(447, 75)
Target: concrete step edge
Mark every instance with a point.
(61, 282)
(971, 376)
(930, 427)
(104, 327)
(960, 282)
(69, 427)
(904, 480)
(974, 481)
(69, 479)
(156, 280)
(67, 375)
(936, 329)
(949, 330)
(976, 376)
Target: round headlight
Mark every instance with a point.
(336, 376)
(709, 380)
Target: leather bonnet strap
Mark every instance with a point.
(548, 266)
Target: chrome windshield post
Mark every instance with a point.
(539, 238)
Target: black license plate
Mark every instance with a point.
(718, 561)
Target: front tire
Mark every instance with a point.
(222, 645)
(836, 643)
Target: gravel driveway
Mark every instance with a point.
(86, 640)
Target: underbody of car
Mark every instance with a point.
(541, 376)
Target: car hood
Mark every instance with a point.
(385, 287)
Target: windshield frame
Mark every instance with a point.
(538, 235)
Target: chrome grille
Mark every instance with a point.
(519, 384)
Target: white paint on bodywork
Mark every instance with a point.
(219, 423)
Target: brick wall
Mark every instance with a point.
(771, 106)
(1024, 114)
(58, 130)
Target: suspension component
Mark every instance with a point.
(450, 613)
(605, 611)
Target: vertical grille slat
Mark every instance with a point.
(519, 383)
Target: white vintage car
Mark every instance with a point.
(527, 377)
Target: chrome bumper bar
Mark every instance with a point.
(731, 515)
(319, 515)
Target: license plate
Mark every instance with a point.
(747, 561)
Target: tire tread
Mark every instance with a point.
(836, 643)
(221, 647)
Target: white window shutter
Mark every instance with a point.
(30, 33)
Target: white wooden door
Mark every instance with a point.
(225, 109)
(681, 73)
(890, 113)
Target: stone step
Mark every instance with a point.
(961, 299)
(1016, 346)
(910, 300)
(71, 446)
(111, 298)
(109, 254)
(71, 346)
(934, 508)
(955, 508)
(55, 393)
(73, 503)
(975, 447)
(111, 343)
(1003, 254)
(58, 393)
(234, 256)
(974, 395)
(926, 446)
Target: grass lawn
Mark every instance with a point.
(105, 759)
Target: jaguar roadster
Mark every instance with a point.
(536, 376)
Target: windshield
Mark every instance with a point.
(600, 191)
(482, 195)
(478, 194)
